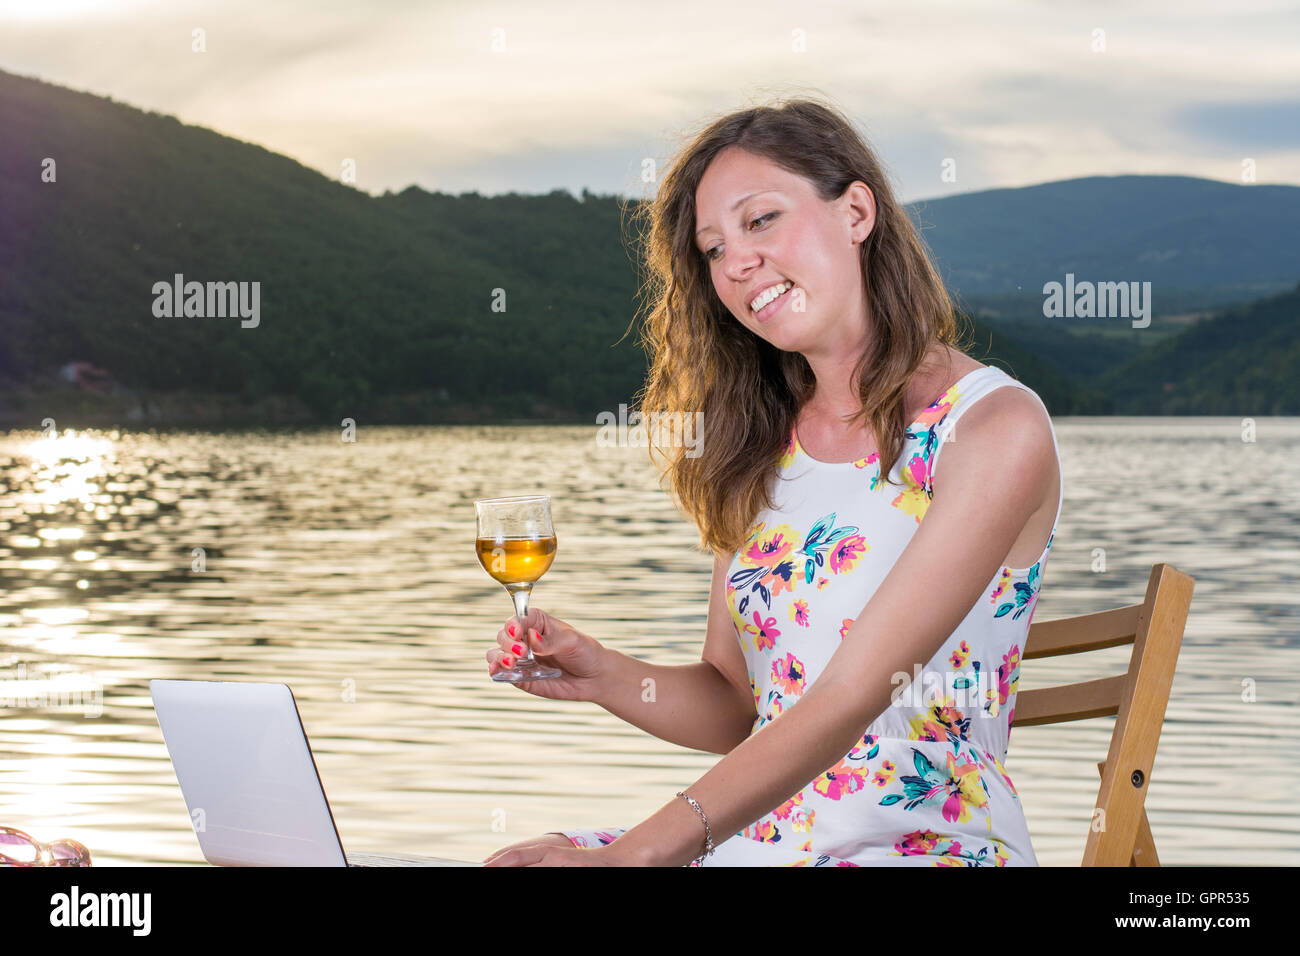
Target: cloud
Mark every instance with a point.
(537, 94)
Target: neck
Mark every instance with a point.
(836, 391)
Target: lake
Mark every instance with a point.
(347, 570)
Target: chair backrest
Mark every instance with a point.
(1120, 834)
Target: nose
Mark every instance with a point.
(740, 262)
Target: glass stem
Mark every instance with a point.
(520, 594)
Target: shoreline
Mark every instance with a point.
(27, 409)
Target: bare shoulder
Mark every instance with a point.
(1006, 436)
(1008, 410)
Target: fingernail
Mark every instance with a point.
(532, 632)
(510, 629)
(508, 661)
(517, 648)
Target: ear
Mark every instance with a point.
(859, 207)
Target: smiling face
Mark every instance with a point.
(761, 225)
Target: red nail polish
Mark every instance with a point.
(510, 629)
(517, 648)
(508, 661)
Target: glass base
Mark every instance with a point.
(527, 670)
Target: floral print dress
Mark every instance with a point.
(927, 782)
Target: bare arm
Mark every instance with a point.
(706, 706)
(1001, 474)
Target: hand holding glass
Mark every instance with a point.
(516, 545)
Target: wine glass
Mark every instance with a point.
(516, 545)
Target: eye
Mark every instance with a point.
(709, 254)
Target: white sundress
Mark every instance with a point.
(926, 783)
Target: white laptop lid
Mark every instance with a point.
(247, 773)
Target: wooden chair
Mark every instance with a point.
(1137, 699)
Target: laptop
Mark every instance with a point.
(249, 779)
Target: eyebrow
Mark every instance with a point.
(736, 205)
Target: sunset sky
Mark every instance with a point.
(578, 94)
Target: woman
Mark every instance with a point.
(798, 310)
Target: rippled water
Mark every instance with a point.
(347, 571)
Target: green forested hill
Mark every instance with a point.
(1245, 361)
(377, 306)
(360, 296)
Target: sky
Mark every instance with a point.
(539, 95)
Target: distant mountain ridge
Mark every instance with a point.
(1177, 232)
(413, 306)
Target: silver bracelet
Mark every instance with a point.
(708, 833)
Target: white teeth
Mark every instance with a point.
(770, 294)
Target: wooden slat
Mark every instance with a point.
(1085, 632)
(1127, 769)
(1054, 705)
(1137, 699)
(1144, 850)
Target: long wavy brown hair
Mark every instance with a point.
(702, 359)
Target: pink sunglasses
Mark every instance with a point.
(21, 849)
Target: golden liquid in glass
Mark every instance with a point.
(515, 560)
